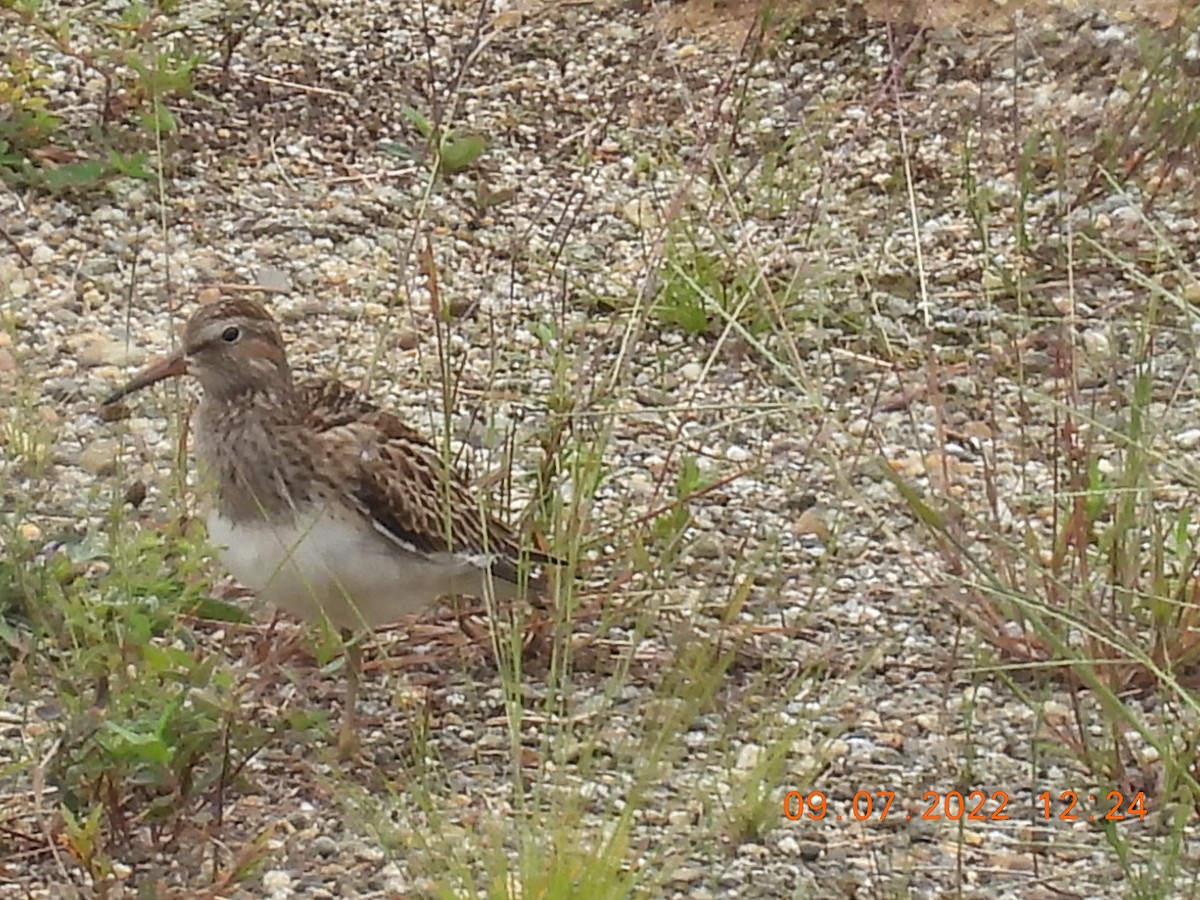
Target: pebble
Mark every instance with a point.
(273, 279)
(738, 454)
(748, 757)
(324, 846)
(1056, 712)
(407, 339)
(692, 371)
(278, 884)
(394, 882)
(1188, 439)
(99, 458)
(812, 522)
(100, 350)
(1096, 343)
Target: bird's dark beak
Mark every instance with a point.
(166, 367)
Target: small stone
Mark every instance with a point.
(1018, 862)
(1096, 343)
(100, 350)
(461, 307)
(688, 874)
(650, 396)
(737, 453)
(642, 213)
(1055, 712)
(273, 279)
(7, 362)
(100, 458)
(812, 522)
(748, 757)
(208, 296)
(135, 494)
(277, 883)
(407, 339)
(810, 851)
(42, 255)
(30, 532)
(113, 412)
(692, 371)
(324, 846)
(1188, 439)
(394, 882)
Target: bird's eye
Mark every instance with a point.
(231, 334)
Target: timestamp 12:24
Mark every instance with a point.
(1117, 809)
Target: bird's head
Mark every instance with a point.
(233, 347)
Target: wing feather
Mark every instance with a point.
(394, 476)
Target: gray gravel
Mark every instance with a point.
(598, 119)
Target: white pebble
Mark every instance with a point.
(1096, 342)
(692, 371)
(278, 884)
(736, 453)
(748, 757)
(1189, 439)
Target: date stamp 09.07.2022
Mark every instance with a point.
(971, 806)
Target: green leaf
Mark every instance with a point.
(689, 317)
(220, 611)
(418, 121)
(131, 165)
(460, 153)
(146, 746)
(74, 176)
(397, 151)
(159, 118)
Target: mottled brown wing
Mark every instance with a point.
(400, 483)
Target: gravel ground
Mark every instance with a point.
(599, 118)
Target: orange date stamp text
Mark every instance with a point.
(971, 806)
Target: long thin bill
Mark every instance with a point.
(166, 367)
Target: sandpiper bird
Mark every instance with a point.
(327, 506)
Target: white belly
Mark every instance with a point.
(343, 571)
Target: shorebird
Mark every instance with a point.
(327, 506)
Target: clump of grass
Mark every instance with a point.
(1083, 589)
(138, 733)
(151, 734)
(1153, 133)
